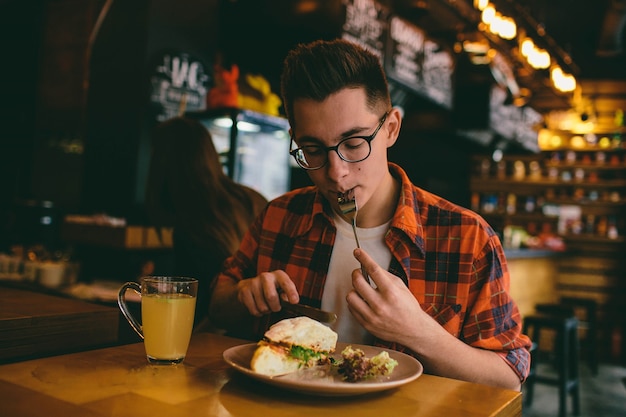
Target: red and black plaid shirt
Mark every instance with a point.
(450, 258)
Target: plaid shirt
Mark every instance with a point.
(449, 257)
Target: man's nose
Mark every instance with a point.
(336, 166)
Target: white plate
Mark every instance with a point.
(320, 381)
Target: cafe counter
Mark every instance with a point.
(534, 276)
(35, 324)
(118, 381)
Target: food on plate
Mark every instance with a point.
(292, 344)
(355, 366)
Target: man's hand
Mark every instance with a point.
(389, 312)
(261, 294)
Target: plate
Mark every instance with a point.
(320, 381)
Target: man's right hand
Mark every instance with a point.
(261, 294)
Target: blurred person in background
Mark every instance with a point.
(187, 189)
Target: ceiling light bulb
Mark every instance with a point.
(488, 14)
(481, 4)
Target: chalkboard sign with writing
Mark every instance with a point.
(179, 83)
(419, 63)
(405, 54)
(438, 69)
(366, 25)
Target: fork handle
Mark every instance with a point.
(356, 237)
(358, 245)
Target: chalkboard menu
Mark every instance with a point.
(419, 63)
(366, 25)
(409, 57)
(511, 122)
(179, 83)
(405, 54)
(437, 72)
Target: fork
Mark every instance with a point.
(347, 205)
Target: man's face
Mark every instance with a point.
(341, 115)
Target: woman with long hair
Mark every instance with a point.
(188, 190)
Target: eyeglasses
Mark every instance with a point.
(352, 149)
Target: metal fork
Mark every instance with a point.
(349, 209)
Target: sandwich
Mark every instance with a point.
(293, 344)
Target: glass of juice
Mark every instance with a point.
(168, 305)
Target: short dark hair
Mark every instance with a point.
(321, 68)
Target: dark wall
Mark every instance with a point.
(20, 40)
(130, 46)
(433, 156)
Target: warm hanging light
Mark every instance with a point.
(498, 24)
(562, 82)
(488, 14)
(527, 47)
(481, 4)
(538, 58)
(506, 28)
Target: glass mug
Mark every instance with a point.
(168, 306)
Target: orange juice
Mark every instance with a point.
(167, 325)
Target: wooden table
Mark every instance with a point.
(34, 324)
(118, 381)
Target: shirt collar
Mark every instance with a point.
(406, 219)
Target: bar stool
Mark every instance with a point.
(586, 322)
(565, 351)
(590, 325)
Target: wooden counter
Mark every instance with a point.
(533, 280)
(34, 324)
(118, 382)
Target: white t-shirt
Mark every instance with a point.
(339, 279)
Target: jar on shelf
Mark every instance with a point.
(501, 169)
(490, 203)
(485, 168)
(535, 170)
(553, 173)
(566, 176)
(611, 232)
(602, 226)
(590, 223)
(579, 174)
(475, 201)
(511, 203)
(519, 170)
(614, 160)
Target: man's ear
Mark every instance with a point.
(393, 124)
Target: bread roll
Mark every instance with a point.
(292, 344)
(273, 360)
(303, 331)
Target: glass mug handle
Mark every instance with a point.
(121, 302)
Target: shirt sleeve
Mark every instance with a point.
(493, 321)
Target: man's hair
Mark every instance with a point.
(321, 68)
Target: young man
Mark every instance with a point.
(439, 278)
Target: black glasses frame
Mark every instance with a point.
(335, 148)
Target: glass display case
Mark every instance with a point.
(253, 147)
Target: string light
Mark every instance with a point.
(538, 58)
(563, 82)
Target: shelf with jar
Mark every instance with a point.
(578, 195)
